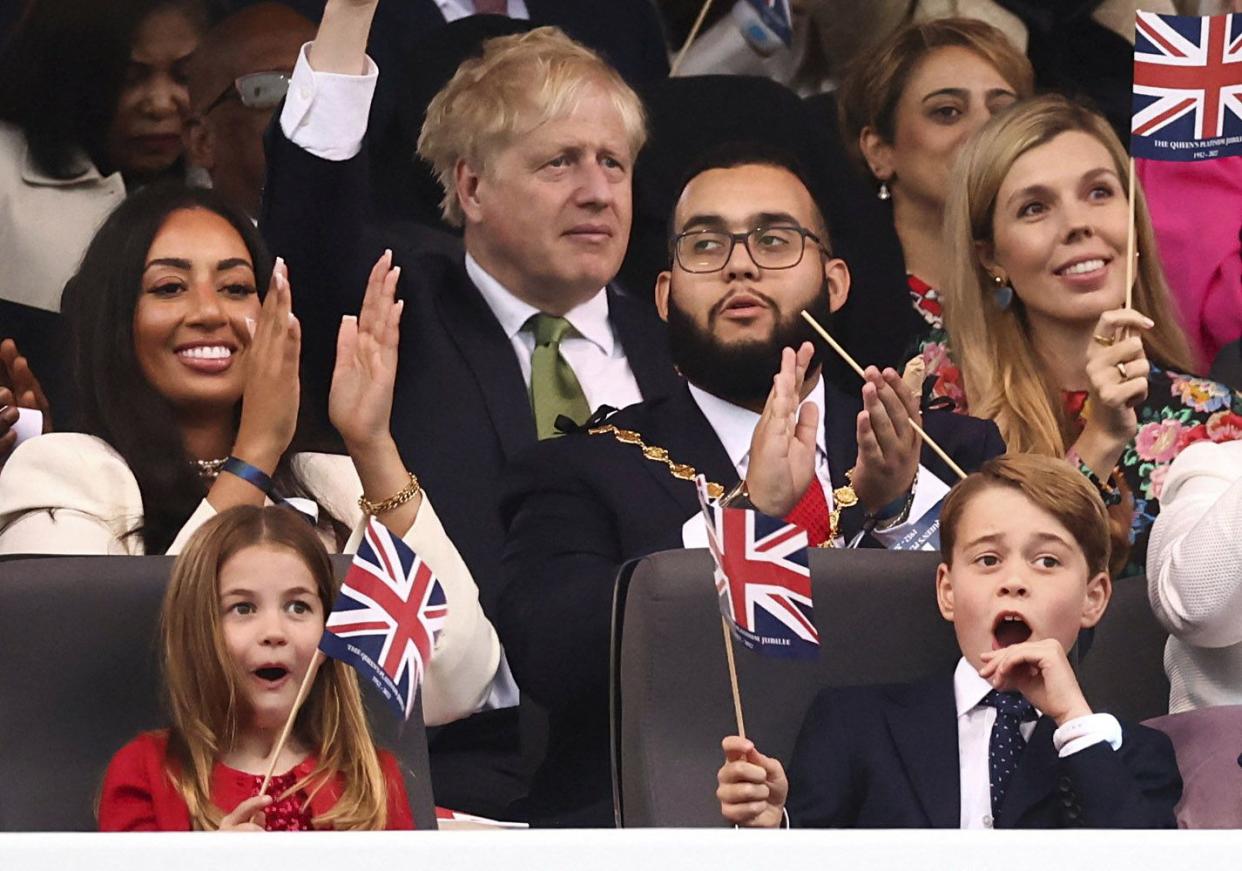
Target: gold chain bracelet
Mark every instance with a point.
(408, 492)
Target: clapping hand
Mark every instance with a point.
(782, 449)
(360, 401)
(888, 446)
(270, 402)
(19, 388)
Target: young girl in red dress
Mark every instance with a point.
(241, 623)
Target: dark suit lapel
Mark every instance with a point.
(1035, 778)
(840, 435)
(677, 425)
(922, 718)
(487, 352)
(643, 337)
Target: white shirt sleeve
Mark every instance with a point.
(1083, 732)
(325, 114)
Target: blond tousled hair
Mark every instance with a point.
(1050, 484)
(1002, 373)
(874, 82)
(204, 694)
(520, 82)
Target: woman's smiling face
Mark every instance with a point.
(1059, 230)
(198, 291)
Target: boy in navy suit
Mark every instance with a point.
(1007, 740)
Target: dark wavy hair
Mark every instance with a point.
(62, 70)
(114, 400)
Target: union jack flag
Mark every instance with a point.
(386, 617)
(1187, 87)
(763, 581)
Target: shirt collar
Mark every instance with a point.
(589, 319)
(735, 425)
(968, 687)
(81, 168)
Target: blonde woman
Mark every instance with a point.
(1035, 311)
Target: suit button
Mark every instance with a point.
(987, 821)
(1068, 801)
(1064, 783)
(1072, 815)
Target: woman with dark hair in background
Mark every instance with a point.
(189, 394)
(92, 98)
(905, 111)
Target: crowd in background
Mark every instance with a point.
(404, 259)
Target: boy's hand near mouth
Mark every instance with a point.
(1041, 672)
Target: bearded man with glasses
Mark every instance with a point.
(749, 251)
(237, 76)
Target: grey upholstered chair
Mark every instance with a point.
(1208, 743)
(80, 678)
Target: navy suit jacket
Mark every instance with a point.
(576, 509)
(887, 757)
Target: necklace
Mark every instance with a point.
(209, 470)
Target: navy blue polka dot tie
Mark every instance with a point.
(1006, 744)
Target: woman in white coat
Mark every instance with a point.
(188, 394)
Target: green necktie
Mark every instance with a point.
(554, 389)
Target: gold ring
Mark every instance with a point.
(1106, 341)
(1121, 367)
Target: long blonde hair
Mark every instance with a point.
(204, 696)
(1002, 373)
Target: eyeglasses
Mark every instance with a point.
(768, 247)
(255, 90)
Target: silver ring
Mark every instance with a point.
(1121, 368)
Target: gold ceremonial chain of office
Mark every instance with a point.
(659, 455)
(842, 497)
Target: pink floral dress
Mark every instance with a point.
(944, 379)
(1179, 411)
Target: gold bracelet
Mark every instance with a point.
(408, 492)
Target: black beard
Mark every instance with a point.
(742, 372)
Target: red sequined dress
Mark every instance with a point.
(138, 795)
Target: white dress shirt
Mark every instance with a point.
(454, 9)
(325, 114)
(974, 731)
(592, 350)
(735, 426)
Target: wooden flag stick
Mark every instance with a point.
(1130, 241)
(311, 670)
(737, 696)
(845, 355)
(694, 31)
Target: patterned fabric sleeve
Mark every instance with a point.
(1179, 410)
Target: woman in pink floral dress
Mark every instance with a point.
(1036, 311)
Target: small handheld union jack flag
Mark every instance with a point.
(762, 580)
(1187, 87)
(386, 617)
